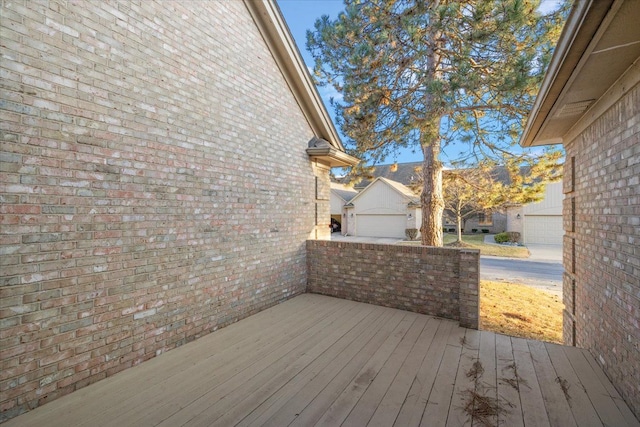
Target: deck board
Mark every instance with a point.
(439, 401)
(262, 386)
(233, 385)
(623, 409)
(387, 410)
(185, 397)
(534, 411)
(316, 360)
(465, 381)
(487, 384)
(555, 399)
(508, 385)
(415, 403)
(371, 399)
(264, 383)
(581, 407)
(320, 407)
(351, 395)
(283, 406)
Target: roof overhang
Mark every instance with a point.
(324, 152)
(594, 64)
(275, 32)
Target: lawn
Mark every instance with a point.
(521, 311)
(476, 241)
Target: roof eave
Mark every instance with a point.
(332, 157)
(553, 81)
(576, 56)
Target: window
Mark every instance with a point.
(485, 218)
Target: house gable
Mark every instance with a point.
(383, 196)
(154, 155)
(551, 204)
(326, 145)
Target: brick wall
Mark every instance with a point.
(440, 282)
(601, 256)
(155, 186)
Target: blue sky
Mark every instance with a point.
(300, 16)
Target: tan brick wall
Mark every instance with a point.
(155, 186)
(440, 282)
(515, 223)
(601, 244)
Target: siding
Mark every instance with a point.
(380, 198)
(337, 204)
(550, 205)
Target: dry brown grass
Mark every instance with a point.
(521, 311)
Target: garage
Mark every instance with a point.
(543, 229)
(381, 225)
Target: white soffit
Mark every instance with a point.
(600, 44)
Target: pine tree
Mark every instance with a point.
(426, 74)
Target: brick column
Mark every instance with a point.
(469, 288)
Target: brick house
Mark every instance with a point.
(590, 103)
(162, 167)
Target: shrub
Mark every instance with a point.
(501, 238)
(513, 236)
(411, 233)
(507, 236)
(485, 230)
(474, 230)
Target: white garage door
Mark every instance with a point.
(381, 225)
(543, 229)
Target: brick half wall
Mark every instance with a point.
(441, 282)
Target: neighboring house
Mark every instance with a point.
(341, 195)
(539, 222)
(163, 164)
(408, 174)
(590, 102)
(485, 222)
(384, 208)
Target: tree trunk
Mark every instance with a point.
(459, 222)
(431, 197)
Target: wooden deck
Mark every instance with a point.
(316, 360)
